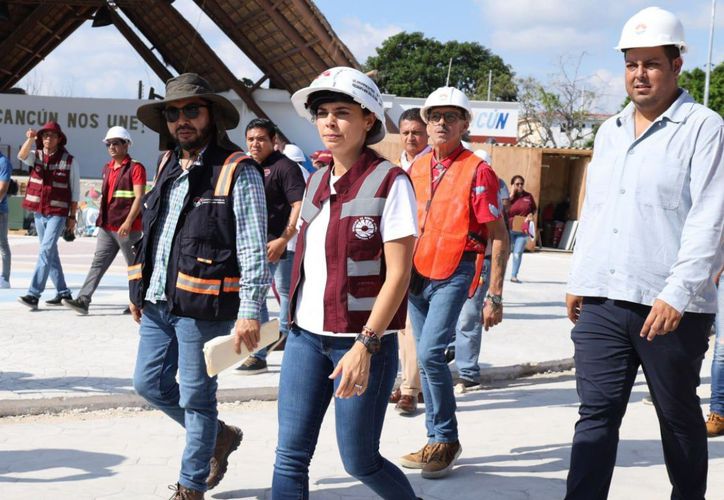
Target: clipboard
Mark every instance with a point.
(219, 352)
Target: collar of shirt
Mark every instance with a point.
(679, 110)
(406, 164)
(199, 160)
(449, 159)
(112, 163)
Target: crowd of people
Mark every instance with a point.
(379, 264)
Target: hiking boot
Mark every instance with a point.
(715, 425)
(184, 493)
(79, 305)
(395, 396)
(58, 299)
(227, 440)
(252, 366)
(441, 460)
(29, 301)
(418, 459)
(407, 405)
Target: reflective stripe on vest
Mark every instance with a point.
(226, 177)
(231, 284)
(363, 267)
(134, 272)
(198, 285)
(309, 210)
(123, 194)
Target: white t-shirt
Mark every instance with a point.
(399, 219)
(292, 243)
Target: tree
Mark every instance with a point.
(409, 64)
(563, 104)
(693, 82)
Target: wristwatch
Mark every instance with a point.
(496, 300)
(369, 339)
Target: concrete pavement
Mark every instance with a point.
(53, 359)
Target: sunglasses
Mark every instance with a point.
(450, 117)
(191, 111)
(115, 143)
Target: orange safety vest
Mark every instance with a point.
(443, 217)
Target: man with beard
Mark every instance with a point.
(200, 269)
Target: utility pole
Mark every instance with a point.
(449, 67)
(708, 60)
(490, 82)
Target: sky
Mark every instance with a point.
(531, 36)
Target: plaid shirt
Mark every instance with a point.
(250, 214)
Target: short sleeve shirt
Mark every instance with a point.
(138, 177)
(5, 171)
(283, 184)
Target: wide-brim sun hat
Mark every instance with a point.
(350, 82)
(50, 127)
(186, 86)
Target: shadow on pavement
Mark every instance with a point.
(27, 383)
(90, 465)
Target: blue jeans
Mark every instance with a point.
(281, 272)
(433, 314)
(517, 244)
(305, 391)
(469, 330)
(5, 254)
(168, 345)
(50, 228)
(717, 365)
(608, 354)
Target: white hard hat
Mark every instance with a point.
(483, 155)
(652, 27)
(294, 153)
(118, 133)
(351, 82)
(446, 96)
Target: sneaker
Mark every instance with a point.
(184, 493)
(29, 301)
(515, 280)
(466, 383)
(407, 405)
(715, 425)
(227, 440)
(418, 459)
(79, 305)
(58, 299)
(252, 366)
(4, 283)
(441, 460)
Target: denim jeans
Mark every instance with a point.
(305, 391)
(168, 345)
(281, 272)
(50, 228)
(5, 254)
(517, 244)
(717, 365)
(608, 354)
(469, 330)
(434, 313)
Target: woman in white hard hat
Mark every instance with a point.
(348, 295)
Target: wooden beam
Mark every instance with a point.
(159, 68)
(338, 58)
(258, 83)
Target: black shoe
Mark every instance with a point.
(58, 299)
(29, 301)
(450, 354)
(127, 310)
(79, 305)
(465, 382)
(252, 366)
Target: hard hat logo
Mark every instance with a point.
(640, 28)
(652, 27)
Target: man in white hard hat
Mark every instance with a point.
(641, 291)
(119, 219)
(457, 211)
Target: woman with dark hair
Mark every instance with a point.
(348, 294)
(522, 208)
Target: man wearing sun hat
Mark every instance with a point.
(200, 270)
(641, 289)
(52, 196)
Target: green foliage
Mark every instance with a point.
(409, 64)
(693, 82)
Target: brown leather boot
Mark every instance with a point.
(395, 396)
(441, 460)
(715, 424)
(184, 493)
(418, 459)
(407, 405)
(227, 440)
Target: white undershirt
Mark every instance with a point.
(399, 219)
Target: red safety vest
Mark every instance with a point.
(48, 189)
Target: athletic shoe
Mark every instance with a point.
(79, 305)
(441, 460)
(252, 366)
(58, 299)
(29, 301)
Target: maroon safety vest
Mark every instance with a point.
(48, 189)
(116, 205)
(353, 245)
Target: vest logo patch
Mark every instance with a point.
(364, 228)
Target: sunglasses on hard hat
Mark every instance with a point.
(190, 111)
(450, 117)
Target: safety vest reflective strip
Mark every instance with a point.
(123, 194)
(198, 285)
(231, 284)
(134, 272)
(223, 183)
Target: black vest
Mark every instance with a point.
(203, 274)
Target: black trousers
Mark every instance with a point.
(608, 353)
